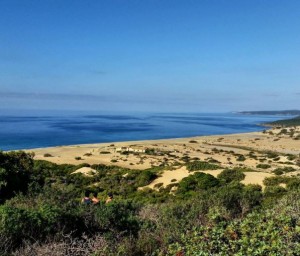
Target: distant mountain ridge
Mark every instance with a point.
(272, 112)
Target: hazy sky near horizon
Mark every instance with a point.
(150, 55)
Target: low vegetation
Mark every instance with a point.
(287, 122)
(41, 211)
(201, 165)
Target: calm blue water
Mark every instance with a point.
(31, 129)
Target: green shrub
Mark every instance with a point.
(293, 184)
(291, 157)
(272, 155)
(201, 165)
(274, 191)
(117, 216)
(230, 175)
(195, 182)
(241, 158)
(204, 216)
(158, 185)
(274, 181)
(280, 171)
(27, 223)
(104, 152)
(145, 178)
(274, 231)
(263, 166)
(15, 173)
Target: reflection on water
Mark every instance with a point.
(21, 131)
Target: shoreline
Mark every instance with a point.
(201, 147)
(169, 131)
(137, 141)
(259, 154)
(147, 140)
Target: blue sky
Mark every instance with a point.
(155, 55)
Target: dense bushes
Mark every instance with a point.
(21, 223)
(204, 216)
(201, 165)
(230, 175)
(263, 166)
(116, 217)
(196, 182)
(280, 171)
(261, 233)
(15, 168)
(42, 221)
(277, 180)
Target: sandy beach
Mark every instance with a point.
(262, 152)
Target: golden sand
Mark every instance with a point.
(222, 149)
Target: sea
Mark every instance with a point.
(36, 129)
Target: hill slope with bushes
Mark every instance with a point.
(41, 212)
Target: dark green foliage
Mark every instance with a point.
(145, 177)
(287, 122)
(271, 193)
(241, 158)
(24, 223)
(230, 175)
(271, 154)
(205, 216)
(237, 199)
(271, 232)
(150, 151)
(263, 166)
(158, 185)
(291, 157)
(274, 191)
(280, 171)
(243, 169)
(293, 184)
(196, 182)
(273, 181)
(116, 217)
(201, 165)
(104, 152)
(15, 170)
(212, 160)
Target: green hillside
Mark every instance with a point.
(41, 212)
(286, 122)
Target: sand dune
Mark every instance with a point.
(167, 177)
(247, 150)
(87, 171)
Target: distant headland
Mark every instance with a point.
(272, 112)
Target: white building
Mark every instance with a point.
(131, 149)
